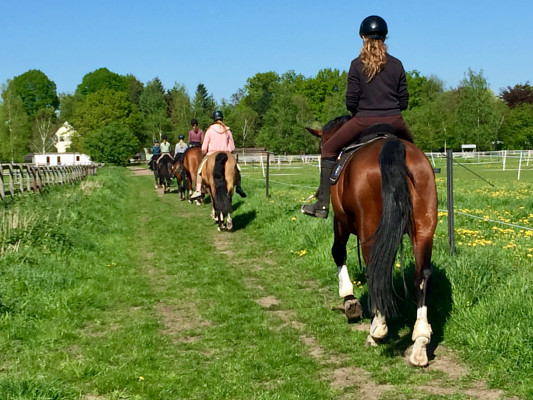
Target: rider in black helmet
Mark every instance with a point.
(218, 137)
(376, 93)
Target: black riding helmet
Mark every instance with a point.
(194, 121)
(180, 137)
(373, 27)
(217, 116)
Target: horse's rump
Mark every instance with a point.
(222, 198)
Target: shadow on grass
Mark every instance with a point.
(241, 221)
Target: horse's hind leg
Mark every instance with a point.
(422, 329)
(352, 306)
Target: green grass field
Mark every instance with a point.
(109, 291)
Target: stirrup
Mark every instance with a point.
(311, 197)
(317, 212)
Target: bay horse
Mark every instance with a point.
(191, 162)
(181, 176)
(220, 174)
(387, 189)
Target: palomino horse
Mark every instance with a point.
(220, 174)
(387, 189)
(191, 162)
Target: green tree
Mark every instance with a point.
(517, 128)
(203, 106)
(112, 144)
(135, 89)
(15, 126)
(102, 78)
(479, 113)
(36, 91)
(260, 90)
(103, 108)
(153, 107)
(327, 84)
(283, 130)
(180, 109)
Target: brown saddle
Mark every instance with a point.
(369, 135)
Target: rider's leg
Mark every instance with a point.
(330, 150)
(320, 209)
(198, 192)
(238, 187)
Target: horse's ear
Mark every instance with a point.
(314, 132)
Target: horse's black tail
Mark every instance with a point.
(222, 199)
(396, 219)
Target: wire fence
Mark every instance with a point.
(507, 160)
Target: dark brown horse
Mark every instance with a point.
(387, 189)
(191, 162)
(181, 176)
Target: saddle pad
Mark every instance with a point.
(347, 152)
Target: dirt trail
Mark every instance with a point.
(351, 381)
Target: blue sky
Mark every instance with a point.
(222, 43)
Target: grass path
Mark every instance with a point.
(244, 323)
(119, 293)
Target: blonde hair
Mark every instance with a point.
(373, 56)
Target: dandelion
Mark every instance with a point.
(141, 378)
(293, 219)
(302, 253)
(528, 233)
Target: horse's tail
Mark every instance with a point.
(396, 219)
(222, 199)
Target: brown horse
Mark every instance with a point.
(219, 175)
(387, 189)
(191, 162)
(181, 176)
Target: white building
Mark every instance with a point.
(63, 137)
(54, 159)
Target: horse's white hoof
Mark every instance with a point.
(229, 226)
(370, 341)
(419, 356)
(378, 329)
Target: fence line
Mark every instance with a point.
(275, 161)
(20, 178)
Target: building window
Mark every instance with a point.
(58, 160)
(47, 160)
(77, 158)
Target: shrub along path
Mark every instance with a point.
(131, 295)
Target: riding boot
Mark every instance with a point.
(239, 190)
(320, 208)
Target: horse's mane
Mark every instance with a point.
(335, 124)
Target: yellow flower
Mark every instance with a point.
(528, 233)
(302, 253)
(293, 219)
(141, 378)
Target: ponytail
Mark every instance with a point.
(373, 56)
